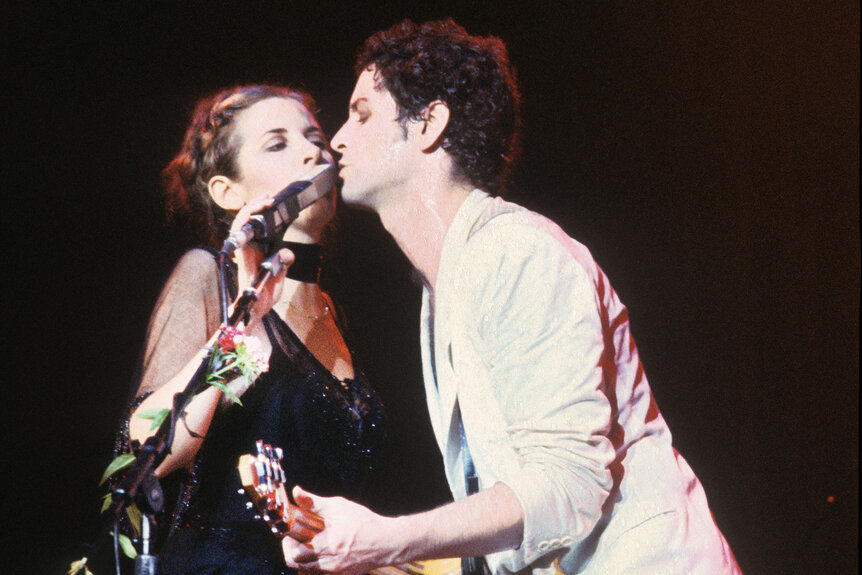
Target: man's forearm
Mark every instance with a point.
(486, 522)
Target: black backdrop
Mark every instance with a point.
(706, 153)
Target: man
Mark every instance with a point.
(532, 378)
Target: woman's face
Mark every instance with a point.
(279, 142)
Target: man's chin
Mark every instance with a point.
(354, 198)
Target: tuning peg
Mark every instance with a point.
(249, 504)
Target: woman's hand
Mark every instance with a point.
(249, 259)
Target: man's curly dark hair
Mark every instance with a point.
(419, 64)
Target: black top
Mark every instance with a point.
(329, 431)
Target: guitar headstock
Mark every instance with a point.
(263, 478)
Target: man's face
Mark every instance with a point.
(375, 153)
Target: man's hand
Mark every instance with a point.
(353, 541)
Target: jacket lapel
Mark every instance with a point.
(441, 385)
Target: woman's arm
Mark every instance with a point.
(197, 419)
(188, 311)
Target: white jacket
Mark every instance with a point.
(527, 336)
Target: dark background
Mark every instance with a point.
(706, 153)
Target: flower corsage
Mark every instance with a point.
(236, 354)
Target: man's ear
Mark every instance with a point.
(431, 124)
(225, 192)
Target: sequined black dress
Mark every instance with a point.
(329, 430)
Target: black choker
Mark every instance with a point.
(309, 260)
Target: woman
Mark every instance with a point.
(243, 146)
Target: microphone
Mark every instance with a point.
(271, 223)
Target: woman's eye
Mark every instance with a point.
(276, 146)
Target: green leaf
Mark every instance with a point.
(250, 370)
(106, 502)
(227, 391)
(219, 361)
(135, 516)
(119, 462)
(157, 415)
(77, 566)
(219, 374)
(127, 546)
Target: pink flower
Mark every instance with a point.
(254, 349)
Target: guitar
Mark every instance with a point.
(263, 480)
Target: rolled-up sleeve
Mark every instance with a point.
(535, 321)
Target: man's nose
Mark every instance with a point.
(338, 143)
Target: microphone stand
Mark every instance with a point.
(140, 484)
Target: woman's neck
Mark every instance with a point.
(300, 296)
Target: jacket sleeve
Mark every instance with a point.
(535, 320)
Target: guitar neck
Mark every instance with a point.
(263, 481)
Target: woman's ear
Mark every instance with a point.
(226, 193)
(432, 123)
